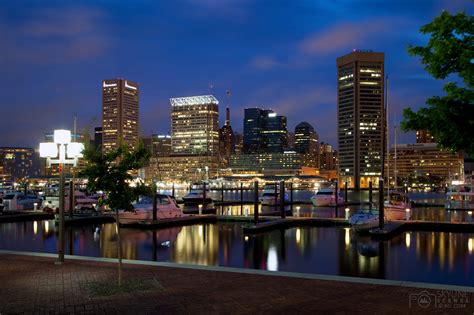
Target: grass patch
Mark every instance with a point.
(128, 286)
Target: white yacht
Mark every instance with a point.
(143, 209)
(271, 196)
(325, 197)
(15, 201)
(196, 195)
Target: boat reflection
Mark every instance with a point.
(411, 256)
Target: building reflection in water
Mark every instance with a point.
(415, 256)
(197, 244)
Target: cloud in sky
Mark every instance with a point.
(58, 35)
(265, 63)
(347, 36)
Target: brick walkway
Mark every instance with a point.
(36, 285)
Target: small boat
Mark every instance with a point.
(166, 208)
(459, 197)
(397, 206)
(15, 201)
(364, 219)
(325, 197)
(196, 196)
(270, 196)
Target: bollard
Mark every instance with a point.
(172, 191)
(347, 213)
(298, 211)
(200, 209)
(407, 214)
(35, 206)
(246, 212)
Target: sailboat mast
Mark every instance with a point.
(395, 155)
(387, 139)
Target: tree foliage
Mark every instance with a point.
(449, 118)
(111, 173)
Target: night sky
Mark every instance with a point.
(268, 53)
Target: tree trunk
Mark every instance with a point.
(119, 247)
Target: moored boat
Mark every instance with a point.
(325, 197)
(166, 208)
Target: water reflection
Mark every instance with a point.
(413, 256)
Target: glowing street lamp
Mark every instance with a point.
(61, 151)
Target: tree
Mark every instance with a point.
(449, 118)
(111, 173)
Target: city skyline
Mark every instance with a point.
(281, 61)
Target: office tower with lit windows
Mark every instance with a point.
(361, 117)
(98, 138)
(119, 113)
(17, 163)
(195, 125)
(226, 140)
(307, 144)
(264, 131)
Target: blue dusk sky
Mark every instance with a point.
(269, 53)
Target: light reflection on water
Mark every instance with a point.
(412, 256)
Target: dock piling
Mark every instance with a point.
(255, 203)
(381, 205)
(282, 199)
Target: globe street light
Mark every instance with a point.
(61, 151)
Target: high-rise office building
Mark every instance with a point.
(195, 125)
(361, 117)
(226, 139)
(275, 133)
(119, 113)
(253, 140)
(16, 163)
(264, 131)
(307, 144)
(98, 138)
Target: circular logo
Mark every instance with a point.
(424, 301)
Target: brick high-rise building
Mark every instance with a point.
(361, 117)
(119, 113)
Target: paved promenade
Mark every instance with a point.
(36, 285)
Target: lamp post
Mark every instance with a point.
(61, 151)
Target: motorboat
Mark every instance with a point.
(15, 201)
(397, 207)
(271, 196)
(196, 195)
(459, 197)
(166, 208)
(325, 197)
(82, 201)
(364, 219)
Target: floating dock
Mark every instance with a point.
(31, 216)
